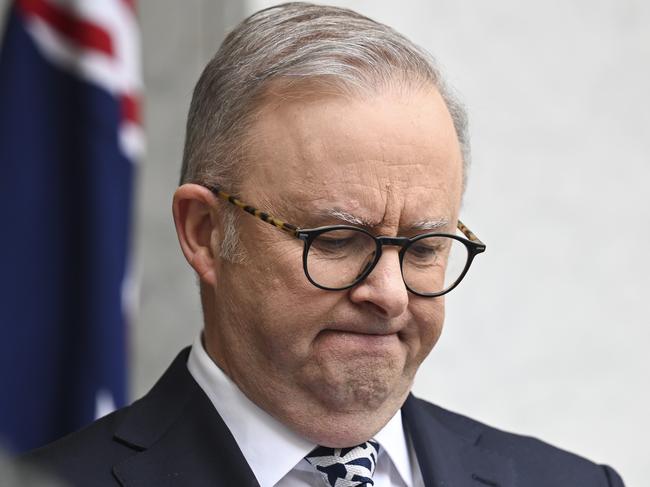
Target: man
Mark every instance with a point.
(338, 137)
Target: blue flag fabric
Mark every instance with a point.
(66, 178)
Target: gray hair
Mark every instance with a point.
(293, 43)
(285, 46)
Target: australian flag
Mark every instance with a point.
(69, 139)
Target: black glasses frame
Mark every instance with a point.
(473, 245)
(309, 235)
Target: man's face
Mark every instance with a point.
(335, 365)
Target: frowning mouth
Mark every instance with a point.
(359, 341)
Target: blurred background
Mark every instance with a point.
(548, 335)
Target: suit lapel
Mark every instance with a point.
(452, 457)
(179, 438)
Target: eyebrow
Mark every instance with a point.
(419, 226)
(428, 225)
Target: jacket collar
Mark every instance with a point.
(178, 438)
(448, 451)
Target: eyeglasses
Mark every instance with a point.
(338, 257)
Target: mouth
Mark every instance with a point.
(363, 327)
(359, 341)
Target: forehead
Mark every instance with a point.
(386, 156)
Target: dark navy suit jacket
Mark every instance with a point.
(174, 437)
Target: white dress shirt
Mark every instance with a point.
(276, 454)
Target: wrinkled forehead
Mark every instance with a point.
(386, 155)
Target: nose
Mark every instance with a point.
(383, 289)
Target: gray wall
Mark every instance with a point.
(178, 40)
(548, 335)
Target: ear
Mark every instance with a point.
(196, 221)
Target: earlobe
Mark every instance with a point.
(195, 222)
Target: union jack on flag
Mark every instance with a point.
(70, 136)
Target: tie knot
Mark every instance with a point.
(346, 467)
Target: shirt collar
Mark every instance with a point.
(392, 439)
(254, 429)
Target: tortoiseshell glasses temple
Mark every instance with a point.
(295, 231)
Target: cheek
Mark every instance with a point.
(429, 316)
(284, 310)
(271, 276)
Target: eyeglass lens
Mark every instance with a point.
(337, 258)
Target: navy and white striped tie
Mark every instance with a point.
(346, 467)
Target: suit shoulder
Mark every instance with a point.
(536, 462)
(88, 453)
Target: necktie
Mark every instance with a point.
(346, 467)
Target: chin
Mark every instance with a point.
(357, 385)
(343, 425)
(351, 400)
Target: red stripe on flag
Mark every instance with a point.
(130, 108)
(84, 33)
(130, 4)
